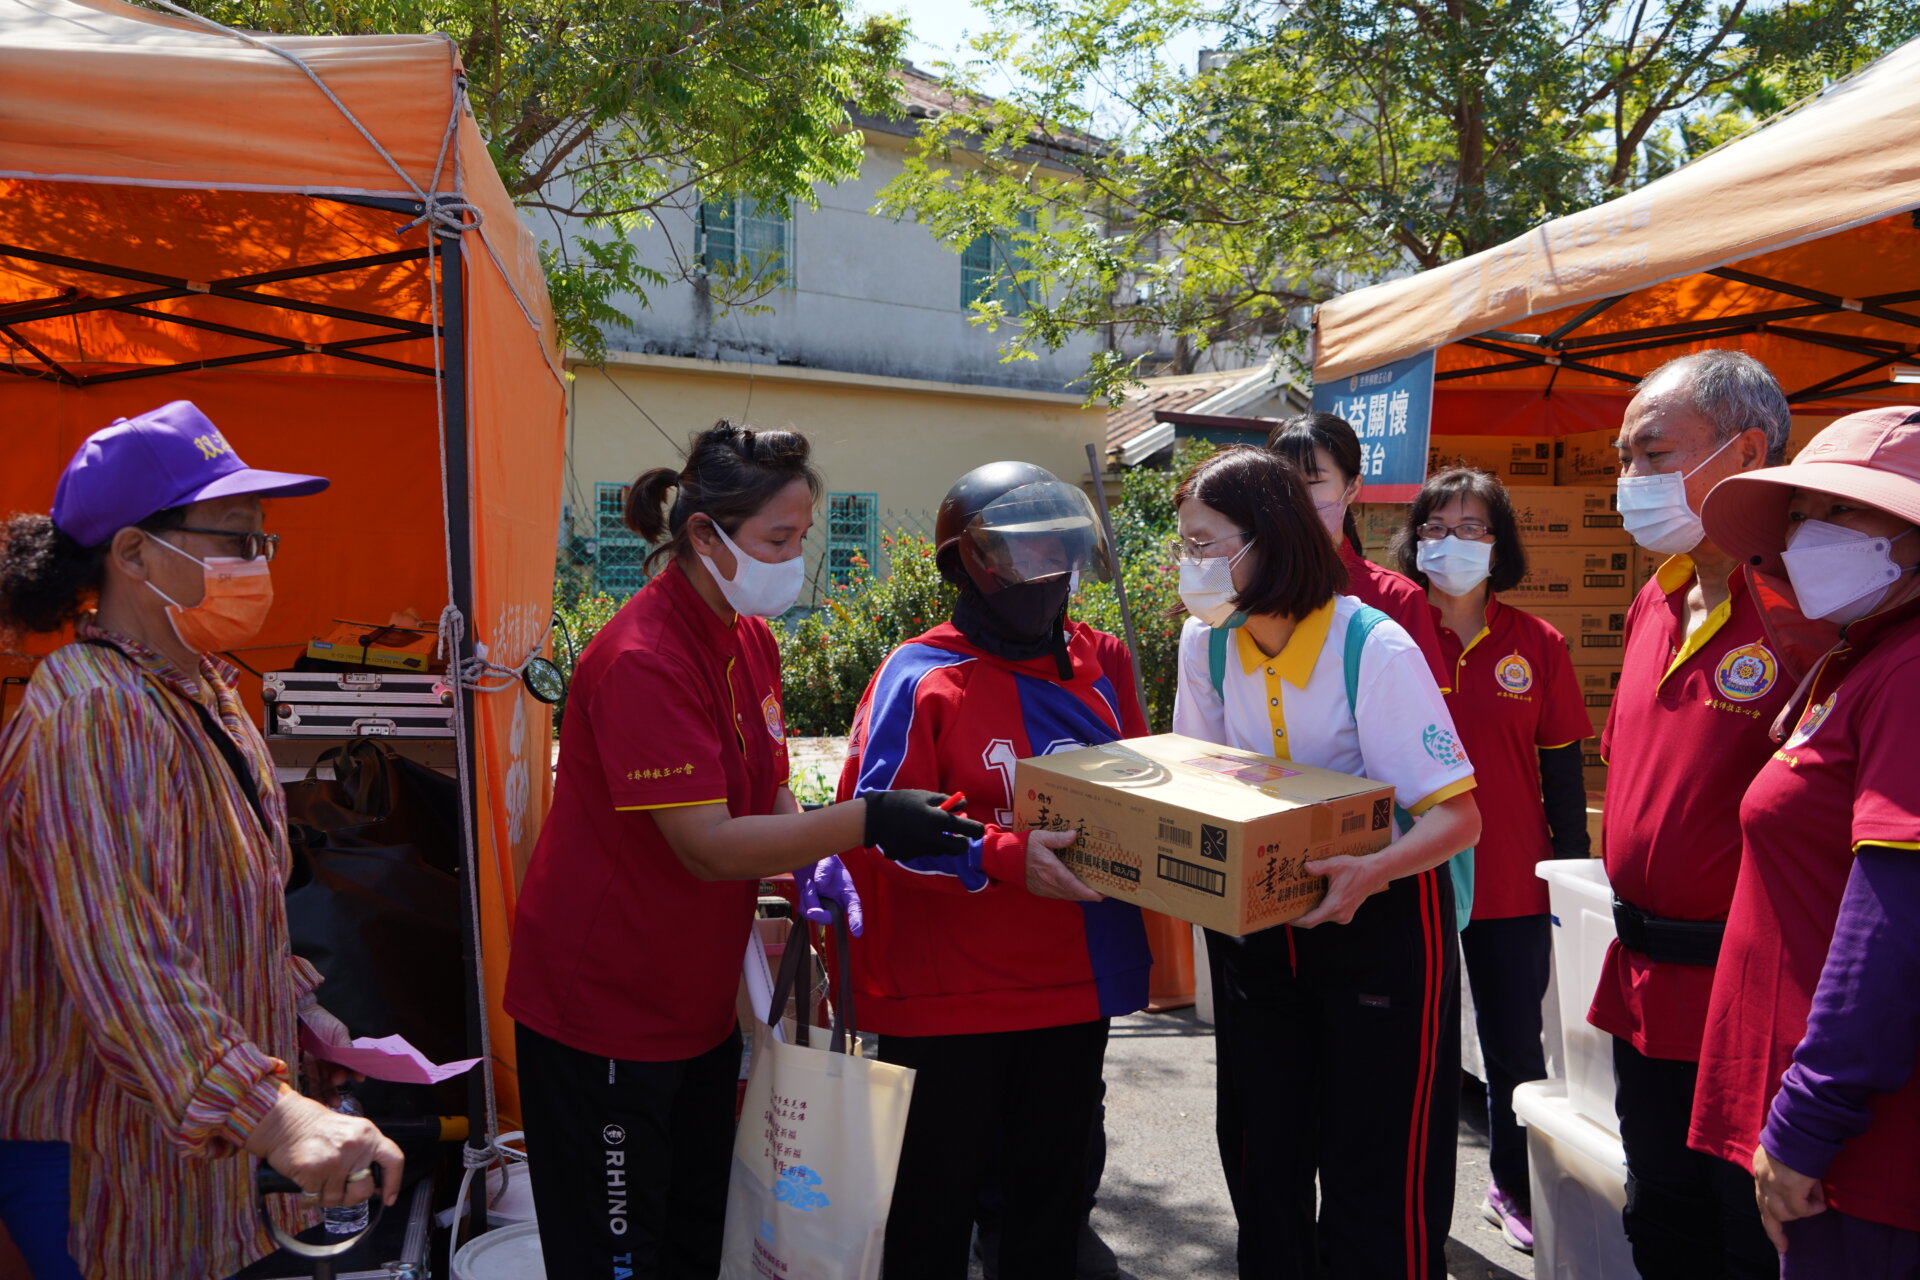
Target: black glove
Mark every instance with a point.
(911, 824)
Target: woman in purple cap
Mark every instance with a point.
(147, 1030)
(1807, 1066)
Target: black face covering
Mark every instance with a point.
(1019, 622)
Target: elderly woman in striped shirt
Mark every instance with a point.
(150, 1002)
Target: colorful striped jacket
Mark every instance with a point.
(147, 994)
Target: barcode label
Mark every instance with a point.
(1205, 879)
(1352, 822)
(1175, 835)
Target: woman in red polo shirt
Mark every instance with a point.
(1327, 453)
(1807, 1067)
(1515, 701)
(669, 805)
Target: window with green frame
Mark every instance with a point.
(620, 554)
(853, 529)
(746, 237)
(988, 267)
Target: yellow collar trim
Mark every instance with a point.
(1674, 574)
(1294, 663)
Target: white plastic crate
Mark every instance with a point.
(1579, 1178)
(1582, 906)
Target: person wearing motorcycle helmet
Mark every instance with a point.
(994, 972)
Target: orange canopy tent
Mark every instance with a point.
(1797, 243)
(305, 237)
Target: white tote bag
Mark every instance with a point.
(818, 1145)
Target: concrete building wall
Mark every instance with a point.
(903, 441)
(867, 294)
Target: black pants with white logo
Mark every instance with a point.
(629, 1159)
(1339, 1065)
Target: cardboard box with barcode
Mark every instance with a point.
(1206, 833)
(1517, 460)
(1596, 633)
(1574, 576)
(1585, 516)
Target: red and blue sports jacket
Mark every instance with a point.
(956, 945)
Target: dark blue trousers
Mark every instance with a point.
(1507, 964)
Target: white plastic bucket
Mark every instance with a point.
(1582, 928)
(511, 1253)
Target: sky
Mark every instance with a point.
(940, 29)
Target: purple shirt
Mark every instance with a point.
(1863, 1033)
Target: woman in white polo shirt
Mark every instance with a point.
(1337, 1058)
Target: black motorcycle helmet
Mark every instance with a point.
(1013, 522)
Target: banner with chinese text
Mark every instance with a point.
(1391, 410)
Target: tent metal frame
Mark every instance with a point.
(456, 487)
(239, 288)
(1564, 348)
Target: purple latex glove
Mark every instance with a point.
(828, 879)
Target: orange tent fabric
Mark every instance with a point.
(1796, 243)
(185, 214)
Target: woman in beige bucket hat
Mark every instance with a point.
(1807, 1069)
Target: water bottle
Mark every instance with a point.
(347, 1220)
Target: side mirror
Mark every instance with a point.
(544, 681)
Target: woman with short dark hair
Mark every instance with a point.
(1514, 696)
(1336, 1061)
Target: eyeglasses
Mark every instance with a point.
(1468, 530)
(253, 546)
(1188, 549)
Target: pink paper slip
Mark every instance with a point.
(385, 1058)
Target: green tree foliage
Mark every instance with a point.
(1329, 142)
(602, 113)
(826, 661)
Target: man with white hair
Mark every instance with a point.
(1699, 688)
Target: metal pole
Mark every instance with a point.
(1119, 576)
(460, 515)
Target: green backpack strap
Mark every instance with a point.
(1460, 866)
(1218, 638)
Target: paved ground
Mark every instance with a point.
(1163, 1206)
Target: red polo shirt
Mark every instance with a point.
(1400, 598)
(1513, 693)
(1687, 734)
(1844, 777)
(619, 950)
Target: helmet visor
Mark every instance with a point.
(1038, 531)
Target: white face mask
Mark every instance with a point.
(1655, 512)
(1206, 586)
(758, 588)
(1453, 565)
(1838, 573)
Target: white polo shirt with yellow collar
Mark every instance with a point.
(1294, 705)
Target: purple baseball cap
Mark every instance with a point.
(166, 457)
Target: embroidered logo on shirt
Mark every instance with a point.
(1443, 746)
(1514, 673)
(1810, 722)
(776, 723)
(1746, 673)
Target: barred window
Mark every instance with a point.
(988, 267)
(619, 553)
(746, 237)
(853, 526)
